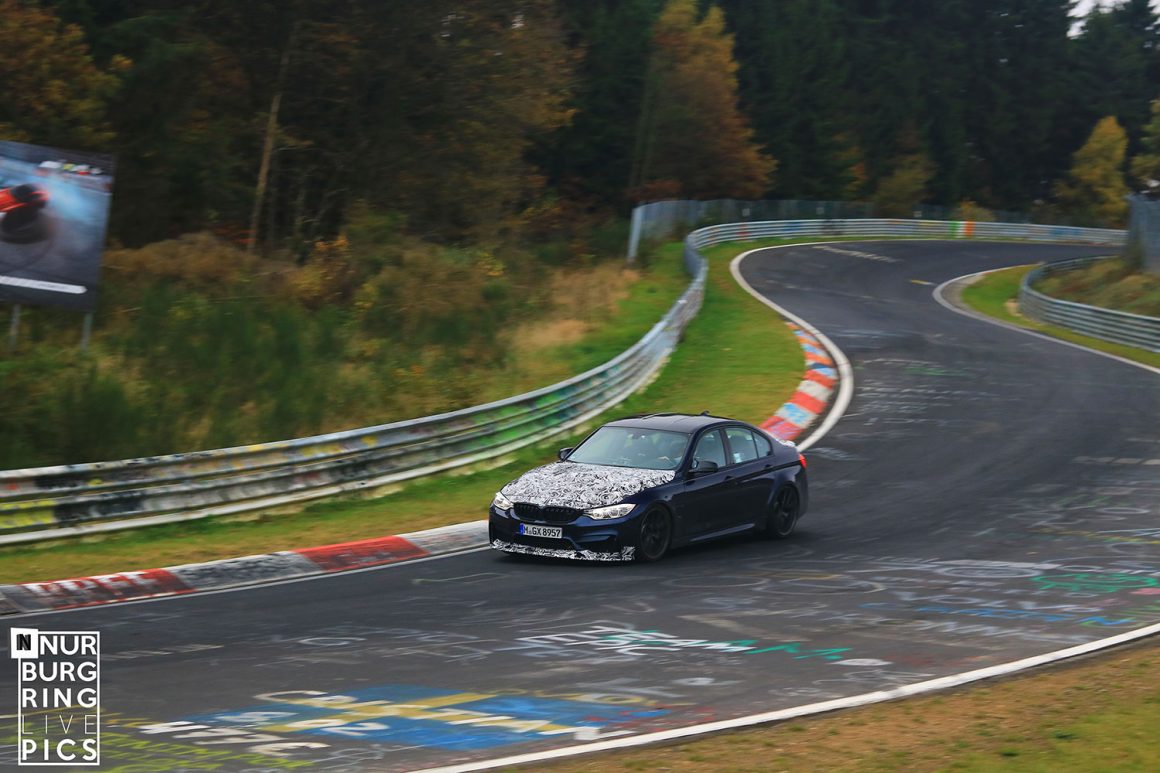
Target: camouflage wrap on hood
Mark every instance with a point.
(570, 484)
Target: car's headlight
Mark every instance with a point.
(612, 511)
(501, 502)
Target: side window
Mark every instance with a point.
(711, 449)
(741, 445)
(764, 446)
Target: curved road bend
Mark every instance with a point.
(988, 496)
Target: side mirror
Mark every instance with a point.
(562, 454)
(702, 467)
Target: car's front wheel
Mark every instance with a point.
(783, 516)
(656, 535)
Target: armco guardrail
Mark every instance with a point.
(1116, 326)
(65, 500)
(60, 501)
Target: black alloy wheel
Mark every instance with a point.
(784, 514)
(656, 534)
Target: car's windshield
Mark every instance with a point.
(649, 449)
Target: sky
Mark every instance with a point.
(1083, 6)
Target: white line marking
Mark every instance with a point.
(841, 703)
(845, 372)
(845, 392)
(938, 296)
(781, 715)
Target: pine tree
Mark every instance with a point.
(1116, 66)
(592, 157)
(908, 181)
(1094, 191)
(693, 139)
(1146, 165)
(793, 68)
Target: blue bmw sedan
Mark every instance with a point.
(638, 487)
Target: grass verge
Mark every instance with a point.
(1080, 717)
(736, 359)
(996, 294)
(1083, 716)
(1116, 283)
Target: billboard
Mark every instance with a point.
(54, 210)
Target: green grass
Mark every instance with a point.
(737, 358)
(995, 294)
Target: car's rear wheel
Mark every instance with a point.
(783, 516)
(656, 535)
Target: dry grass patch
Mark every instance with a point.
(535, 336)
(587, 292)
(1111, 284)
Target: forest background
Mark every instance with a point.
(330, 212)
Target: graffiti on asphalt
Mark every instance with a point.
(429, 717)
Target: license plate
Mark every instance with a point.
(551, 532)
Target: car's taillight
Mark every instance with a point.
(802, 459)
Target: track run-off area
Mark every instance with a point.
(987, 496)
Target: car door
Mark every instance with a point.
(751, 465)
(701, 499)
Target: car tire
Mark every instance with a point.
(784, 513)
(656, 535)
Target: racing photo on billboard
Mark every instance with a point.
(54, 210)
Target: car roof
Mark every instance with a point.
(673, 422)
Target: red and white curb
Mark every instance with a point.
(33, 597)
(813, 393)
(827, 371)
(828, 374)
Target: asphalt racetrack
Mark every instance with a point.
(988, 496)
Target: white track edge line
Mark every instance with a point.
(250, 586)
(939, 296)
(853, 701)
(845, 372)
(781, 715)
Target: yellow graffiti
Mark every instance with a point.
(37, 517)
(349, 710)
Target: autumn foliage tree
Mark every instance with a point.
(1094, 190)
(693, 139)
(905, 185)
(53, 92)
(494, 76)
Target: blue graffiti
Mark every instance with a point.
(424, 716)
